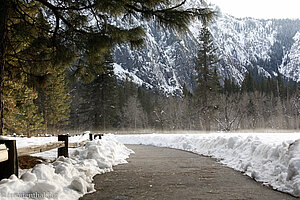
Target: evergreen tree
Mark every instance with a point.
(145, 99)
(95, 104)
(230, 87)
(21, 115)
(263, 86)
(104, 100)
(269, 89)
(125, 92)
(81, 115)
(227, 88)
(70, 38)
(185, 92)
(279, 86)
(122, 97)
(25, 58)
(248, 84)
(207, 79)
(54, 101)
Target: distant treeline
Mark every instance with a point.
(106, 104)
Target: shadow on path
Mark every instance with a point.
(162, 173)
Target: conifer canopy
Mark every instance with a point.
(40, 38)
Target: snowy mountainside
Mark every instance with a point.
(241, 43)
(290, 66)
(166, 62)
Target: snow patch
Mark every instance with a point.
(124, 73)
(66, 178)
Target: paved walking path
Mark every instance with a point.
(162, 173)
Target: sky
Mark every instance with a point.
(261, 9)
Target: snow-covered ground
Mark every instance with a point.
(65, 178)
(271, 158)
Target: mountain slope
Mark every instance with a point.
(166, 62)
(290, 66)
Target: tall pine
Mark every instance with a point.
(207, 79)
(54, 101)
(21, 114)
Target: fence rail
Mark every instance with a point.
(3, 153)
(77, 144)
(9, 152)
(39, 148)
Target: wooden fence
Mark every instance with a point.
(3, 153)
(9, 152)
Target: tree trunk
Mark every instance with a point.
(3, 39)
(46, 120)
(206, 93)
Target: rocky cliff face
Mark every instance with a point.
(290, 65)
(166, 62)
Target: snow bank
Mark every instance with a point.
(273, 159)
(67, 178)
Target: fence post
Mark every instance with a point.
(63, 151)
(91, 136)
(9, 167)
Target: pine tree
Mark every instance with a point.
(227, 88)
(30, 44)
(18, 56)
(146, 97)
(3, 44)
(81, 115)
(185, 92)
(95, 104)
(248, 83)
(104, 99)
(21, 115)
(207, 79)
(145, 100)
(262, 87)
(54, 101)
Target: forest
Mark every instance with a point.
(56, 74)
(257, 104)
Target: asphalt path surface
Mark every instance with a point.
(163, 173)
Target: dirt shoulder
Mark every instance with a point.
(162, 173)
